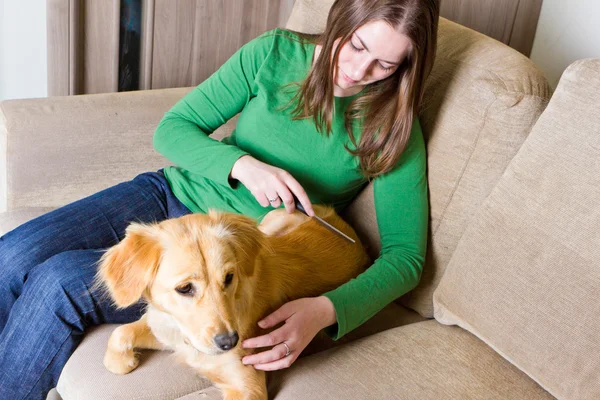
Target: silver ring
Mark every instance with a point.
(288, 351)
(273, 200)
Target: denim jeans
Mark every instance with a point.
(47, 266)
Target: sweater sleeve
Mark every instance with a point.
(402, 210)
(182, 135)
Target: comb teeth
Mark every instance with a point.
(322, 222)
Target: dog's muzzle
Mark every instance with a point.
(226, 341)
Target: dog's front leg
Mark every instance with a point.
(242, 383)
(120, 357)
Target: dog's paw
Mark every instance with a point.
(120, 363)
(120, 357)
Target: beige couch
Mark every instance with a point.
(514, 249)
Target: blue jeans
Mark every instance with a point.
(47, 266)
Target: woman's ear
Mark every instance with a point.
(129, 267)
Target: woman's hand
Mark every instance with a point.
(270, 185)
(304, 318)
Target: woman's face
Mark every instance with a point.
(374, 52)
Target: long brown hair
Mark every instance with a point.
(387, 107)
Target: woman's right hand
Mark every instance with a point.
(267, 182)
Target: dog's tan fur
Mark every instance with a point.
(288, 256)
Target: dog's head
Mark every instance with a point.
(195, 268)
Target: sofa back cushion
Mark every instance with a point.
(525, 276)
(60, 149)
(481, 101)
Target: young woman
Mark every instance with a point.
(320, 117)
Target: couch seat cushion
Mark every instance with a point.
(425, 360)
(160, 376)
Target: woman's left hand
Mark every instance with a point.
(304, 318)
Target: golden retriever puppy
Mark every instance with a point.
(208, 279)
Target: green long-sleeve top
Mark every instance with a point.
(251, 82)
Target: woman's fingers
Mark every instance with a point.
(282, 363)
(300, 194)
(287, 198)
(276, 353)
(284, 194)
(272, 186)
(270, 339)
(261, 198)
(273, 198)
(277, 316)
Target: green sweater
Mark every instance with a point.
(251, 82)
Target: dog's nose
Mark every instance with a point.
(227, 341)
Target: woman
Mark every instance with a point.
(320, 118)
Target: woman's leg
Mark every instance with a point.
(95, 222)
(48, 266)
(48, 320)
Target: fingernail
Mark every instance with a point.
(262, 324)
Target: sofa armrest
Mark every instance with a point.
(56, 150)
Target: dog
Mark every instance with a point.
(207, 279)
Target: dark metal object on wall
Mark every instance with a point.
(129, 45)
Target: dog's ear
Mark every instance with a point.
(244, 236)
(127, 268)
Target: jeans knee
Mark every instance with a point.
(10, 252)
(62, 285)
(15, 263)
(154, 179)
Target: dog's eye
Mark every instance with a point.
(186, 290)
(228, 279)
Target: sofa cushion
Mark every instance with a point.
(418, 361)
(83, 144)
(309, 16)
(75, 156)
(160, 376)
(525, 277)
(481, 101)
(53, 395)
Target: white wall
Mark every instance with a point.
(23, 65)
(568, 30)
